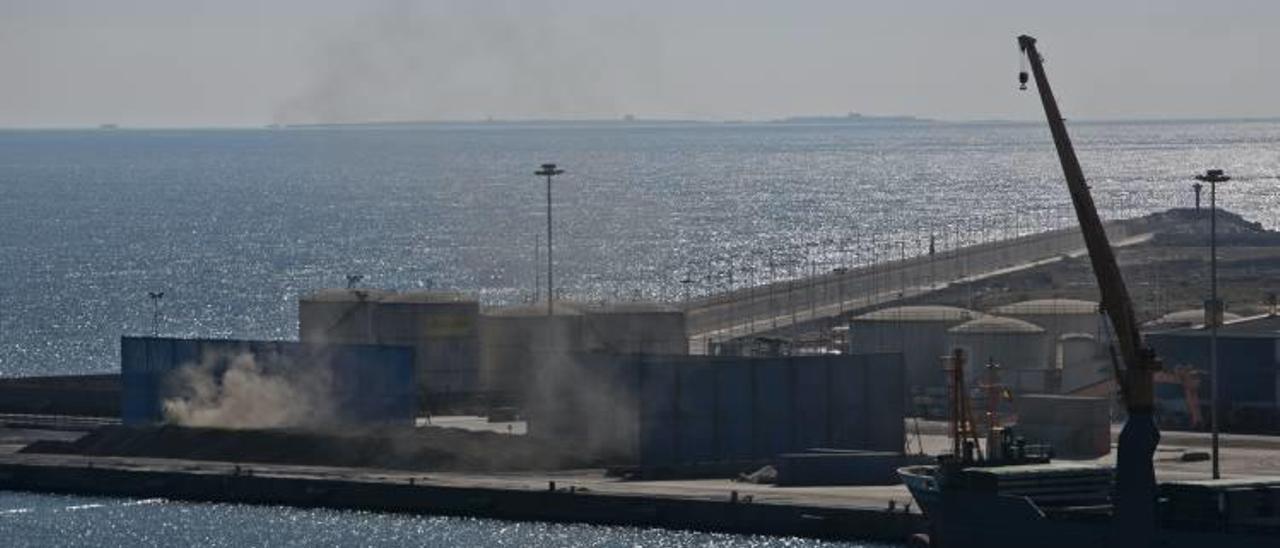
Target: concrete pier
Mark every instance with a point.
(775, 307)
(571, 496)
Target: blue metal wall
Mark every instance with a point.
(691, 409)
(369, 383)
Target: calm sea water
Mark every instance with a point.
(234, 225)
(55, 520)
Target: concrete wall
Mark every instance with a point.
(673, 410)
(363, 383)
(1076, 427)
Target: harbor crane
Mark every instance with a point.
(1135, 517)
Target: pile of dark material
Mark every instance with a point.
(391, 448)
(80, 395)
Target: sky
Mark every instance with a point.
(184, 63)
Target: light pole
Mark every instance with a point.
(813, 282)
(840, 271)
(1213, 177)
(549, 171)
(902, 268)
(688, 279)
(155, 297)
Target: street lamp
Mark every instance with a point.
(155, 297)
(549, 171)
(1213, 177)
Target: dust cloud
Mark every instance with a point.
(247, 395)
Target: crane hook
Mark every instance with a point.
(1022, 80)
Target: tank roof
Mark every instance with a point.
(920, 313)
(559, 308)
(426, 297)
(343, 295)
(1054, 307)
(996, 324)
(631, 308)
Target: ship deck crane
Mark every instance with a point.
(1135, 516)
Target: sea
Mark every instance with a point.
(34, 520)
(233, 225)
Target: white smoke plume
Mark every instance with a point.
(248, 396)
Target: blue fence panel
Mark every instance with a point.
(774, 405)
(812, 406)
(369, 383)
(696, 413)
(849, 409)
(885, 382)
(735, 413)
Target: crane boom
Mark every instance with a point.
(1135, 472)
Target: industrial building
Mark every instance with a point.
(442, 329)
(1248, 371)
(320, 383)
(656, 411)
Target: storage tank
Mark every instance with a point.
(518, 340)
(1057, 316)
(919, 333)
(343, 316)
(442, 328)
(1082, 362)
(444, 331)
(635, 328)
(1019, 347)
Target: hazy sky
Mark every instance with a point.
(242, 62)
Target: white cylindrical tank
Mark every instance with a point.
(519, 343)
(1018, 347)
(918, 332)
(635, 328)
(1057, 316)
(1082, 362)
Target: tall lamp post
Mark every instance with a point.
(155, 297)
(1213, 177)
(549, 171)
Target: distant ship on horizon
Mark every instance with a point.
(850, 118)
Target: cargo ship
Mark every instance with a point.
(1019, 497)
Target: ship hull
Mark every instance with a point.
(959, 519)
